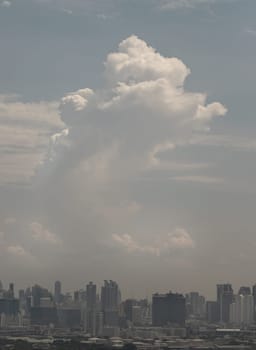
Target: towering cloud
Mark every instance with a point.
(87, 205)
(141, 109)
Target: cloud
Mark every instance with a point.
(94, 149)
(17, 250)
(250, 31)
(13, 249)
(39, 233)
(10, 220)
(67, 11)
(189, 4)
(143, 91)
(6, 3)
(117, 134)
(177, 240)
(226, 141)
(198, 179)
(25, 131)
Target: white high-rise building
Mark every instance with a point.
(236, 309)
(241, 310)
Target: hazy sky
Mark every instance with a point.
(127, 143)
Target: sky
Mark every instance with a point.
(127, 144)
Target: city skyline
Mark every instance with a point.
(127, 143)
(56, 288)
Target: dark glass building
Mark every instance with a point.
(167, 309)
(225, 298)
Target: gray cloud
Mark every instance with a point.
(189, 4)
(25, 130)
(6, 3)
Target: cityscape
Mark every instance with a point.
(101, 315)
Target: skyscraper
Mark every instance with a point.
(224, 300)
(212, 312)
(244, 290)
(195, 304)
(91, 310)
(168, 308)
(57, 292)
(254, 300)
(110, 299)
(91, 295)
(241, 310)
(11, 290)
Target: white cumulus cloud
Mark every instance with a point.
(142, 109)
(174, 241)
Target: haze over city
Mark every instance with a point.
(127, 144)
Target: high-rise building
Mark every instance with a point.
(91, 309)
(57, 292)
(224, 300)
(248, 309)
(37, 293)
(168, 308)
(244, 291)
(212, 312)
(254, 300)
(91, 295)
(195, 304)
(11, 290)
(110, 300)
(241, 310)
(128, 305)
(9, 306)
(137, 315)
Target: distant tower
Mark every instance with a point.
(57, 292)
(168, 308)
(91, 312)
(225, 298)
(244, 291)
(254, 299)
(11, 290)
(110, 299)
(91, 295)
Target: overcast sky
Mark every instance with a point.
(127, 143)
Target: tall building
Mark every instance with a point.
(37, 294)
(254, 300)
(137, 315)
(248, 309)
(11, 290)
(244, 291)
(224, 300)
(241, 310)
(212, 312)
(110, 300)
(195, 304)
(57, 292)
(9, 306)
(128, 305)
(168, 308)
(91, 309)
(91, 295)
